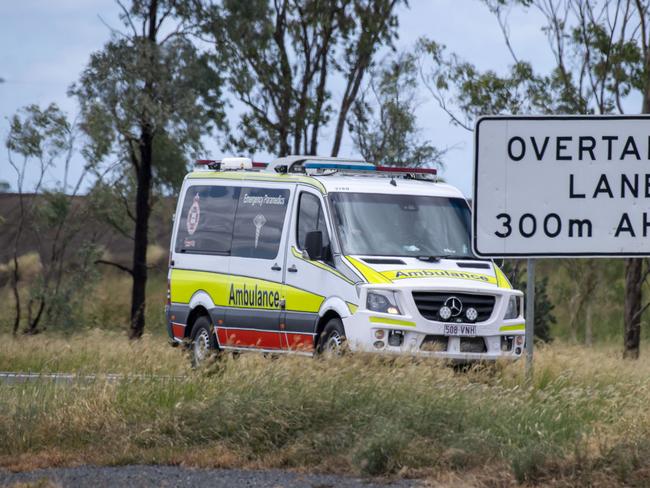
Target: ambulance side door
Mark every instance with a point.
(307, 282)
(257, 261)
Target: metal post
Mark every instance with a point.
(530, 318)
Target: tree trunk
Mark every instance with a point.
(142, 199)
(354, 82)
(15, 276)
(142, 212)
(634, 270)
(633, 299)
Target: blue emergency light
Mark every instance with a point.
(342, 166)
(368, 167)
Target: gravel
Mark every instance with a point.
(168, 476)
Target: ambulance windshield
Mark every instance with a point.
(402, 225)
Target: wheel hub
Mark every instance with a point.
(201, 345)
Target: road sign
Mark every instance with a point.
(557, 186)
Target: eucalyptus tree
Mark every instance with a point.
(283, 58)
(40, 141)
(601, 64)
(146, 94)
(383, 122)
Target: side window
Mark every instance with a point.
(206, 219)
(310, 218)
(258, 222)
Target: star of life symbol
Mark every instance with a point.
(193, 216)
(259, 222)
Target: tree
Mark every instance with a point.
(38, 140)
(148, 88)
(383, 124)
(544, 318)
(279, 58)
(601, 57)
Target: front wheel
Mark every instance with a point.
(332, 340)
(204, 343)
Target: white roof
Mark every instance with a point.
(382, 184)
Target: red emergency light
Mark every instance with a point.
(407, 169)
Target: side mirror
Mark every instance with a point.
(314, 244)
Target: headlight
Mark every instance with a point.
(382, 301)
(512, 312)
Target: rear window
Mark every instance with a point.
(207, 219)
(259, 222)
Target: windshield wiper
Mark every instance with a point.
(434, 259)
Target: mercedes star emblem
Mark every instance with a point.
(455, 305)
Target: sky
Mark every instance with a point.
(46, 45)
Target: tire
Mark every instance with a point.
(332, 340)
(204, 343)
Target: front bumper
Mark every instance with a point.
(493, 339)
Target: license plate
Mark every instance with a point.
(460, 330)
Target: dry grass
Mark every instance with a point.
(93, 351)
(583, 421)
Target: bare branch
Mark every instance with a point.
(112, 29)
(116, 265)
(127, 16)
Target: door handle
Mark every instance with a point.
(292, 269)
(275, 267)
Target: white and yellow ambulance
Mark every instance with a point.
(310, 254)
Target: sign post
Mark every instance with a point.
(560, 186)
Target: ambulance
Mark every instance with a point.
(312, 255)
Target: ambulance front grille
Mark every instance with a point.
(429, 304)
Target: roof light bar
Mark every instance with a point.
(370, 168)
(406, 169)
(341, 166)
(231, 163)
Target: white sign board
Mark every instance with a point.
(562, 186)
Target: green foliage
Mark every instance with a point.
(600, 52)
(459, 86)
(385, 130)
(598, 62)
(41, 134)
(66, 301)
(168, 89)
(112, 203)
(544, 317)
(44, 138)
(280, 57)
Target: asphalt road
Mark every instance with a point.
(174, 476)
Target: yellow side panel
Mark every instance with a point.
(502, 280)
(302, 301)
(367, 272)
(510, 328)
(223, 290)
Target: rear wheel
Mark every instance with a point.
(332, 340)
(204, 343)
